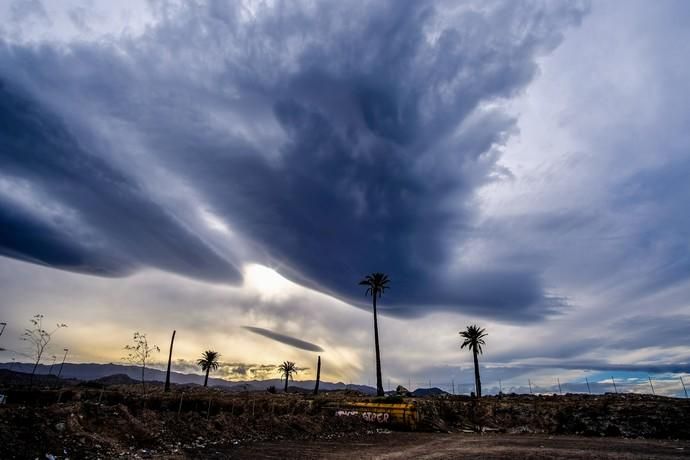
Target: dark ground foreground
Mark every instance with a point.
(397, 445)
(92, 420)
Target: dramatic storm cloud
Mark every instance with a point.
(336, 139)
(216, 165)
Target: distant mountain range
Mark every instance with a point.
(92, 371)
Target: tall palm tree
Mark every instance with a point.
(208, 362)
(287, 369)
(474, 339)
(376, 284)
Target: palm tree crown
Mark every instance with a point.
(377, 283)
(209, 360)
(474, 338)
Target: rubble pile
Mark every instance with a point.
(624, 415)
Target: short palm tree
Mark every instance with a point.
(287, 369)
(474, 339)
(376, 284)
(208, 362)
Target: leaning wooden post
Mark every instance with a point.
(179, 408)
(588, 388)
(650, 384)
(614, 385)
(529, 382)
(318, 375)
(684, 389)
(167, 374)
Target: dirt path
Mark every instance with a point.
(453, 446)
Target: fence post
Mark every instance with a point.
(684, 389)
(614, 384)
(588, 388)
(529, 382)
(179, 407)
(559, 386)
(453, 384)
(651, 385)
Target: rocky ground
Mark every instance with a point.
(119, 421)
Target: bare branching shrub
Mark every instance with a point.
(39, 338)
(139, 353)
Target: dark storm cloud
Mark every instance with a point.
(341, 139)
(118, 227)
(286, 339)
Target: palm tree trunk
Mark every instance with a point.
(208, 369)
(318, 375)
(167, 374)
(379, 379)
(286, 382)
(477, 381)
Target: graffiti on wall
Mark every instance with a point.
(378, 417)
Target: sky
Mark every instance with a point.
(231, 170)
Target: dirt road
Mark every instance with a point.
(453, 446)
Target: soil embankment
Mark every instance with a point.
(118, 421)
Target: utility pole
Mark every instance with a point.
(63, 361)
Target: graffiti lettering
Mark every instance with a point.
(378, 417)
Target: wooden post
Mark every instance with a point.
(614, 385)
(100, 397)
(208, 411)
(167, 374)
(452, 382)
(179, 408)
(588, 388)
(318, 375)
(529, 382)
(650, 384)
(559, 386)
